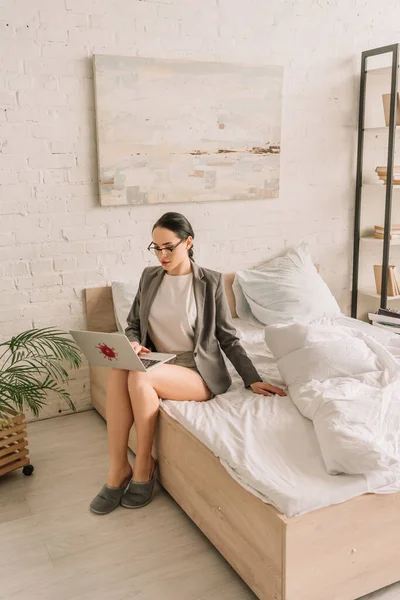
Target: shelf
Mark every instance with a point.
(370, 239)
(381, 129)
(380, 71)
(381, 185)
(372, 293)
(378, 138)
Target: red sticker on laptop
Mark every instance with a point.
(107, 352)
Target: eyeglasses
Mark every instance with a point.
(156, 250)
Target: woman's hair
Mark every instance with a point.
(178, 224)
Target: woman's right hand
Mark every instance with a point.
(138, 348)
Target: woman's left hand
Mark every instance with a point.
(266, 389)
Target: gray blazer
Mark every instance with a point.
(214, 330)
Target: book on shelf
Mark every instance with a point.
(384, 320)
(393, 288)
(392, 236)
(396, 281)
(388, 312)
(382, 174)
(381, 228)
(386, 98)
(394, 232)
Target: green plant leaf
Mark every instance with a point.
(35, 362)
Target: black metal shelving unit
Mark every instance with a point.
(394, 50)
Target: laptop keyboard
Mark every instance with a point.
(147, 362)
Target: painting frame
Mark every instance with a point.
(175, 131)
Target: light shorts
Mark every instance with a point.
(186, 359)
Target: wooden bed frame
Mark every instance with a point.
(340, 552)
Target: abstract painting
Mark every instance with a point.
(181, 131)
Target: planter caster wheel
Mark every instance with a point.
(28, 470)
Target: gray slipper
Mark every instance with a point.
(108, 498)
(140, 493)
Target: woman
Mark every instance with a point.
(180, 308)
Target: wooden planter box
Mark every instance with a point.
(14, 453)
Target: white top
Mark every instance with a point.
(173, 314)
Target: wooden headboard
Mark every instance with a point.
(100, 309)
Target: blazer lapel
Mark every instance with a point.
(199, 290)
(147, 301)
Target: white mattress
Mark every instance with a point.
(264, 442)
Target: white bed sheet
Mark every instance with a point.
(265, 444)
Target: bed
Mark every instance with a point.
(338, 552)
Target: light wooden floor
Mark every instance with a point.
(53, 548)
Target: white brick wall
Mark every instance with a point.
(54, 237)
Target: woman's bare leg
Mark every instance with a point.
(119, 422)
(145, 389)
(145, 405)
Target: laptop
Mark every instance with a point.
(115, 350)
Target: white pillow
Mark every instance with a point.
(284, 339)
(286, 289)
(243, 309)
(123, 294)
(247, 333)
(319, 352)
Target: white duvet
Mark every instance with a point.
(348, 385)
(266, 444)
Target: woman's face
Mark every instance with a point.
(164, 238)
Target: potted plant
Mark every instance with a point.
(32, 364)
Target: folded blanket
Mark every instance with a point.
(348, 384)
